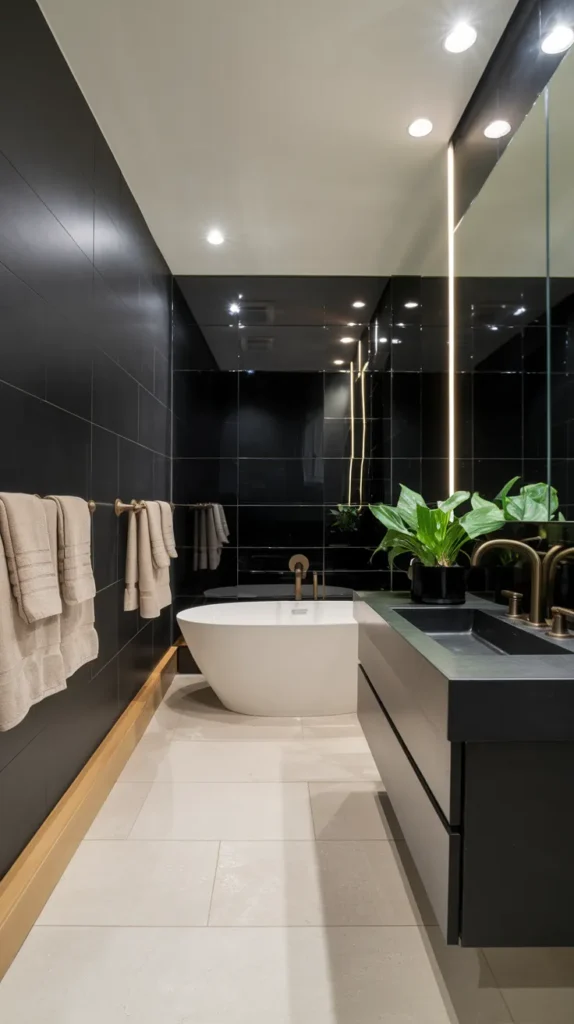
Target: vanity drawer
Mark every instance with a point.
(435, 850)
(415, 697)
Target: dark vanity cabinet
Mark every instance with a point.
(488, 817)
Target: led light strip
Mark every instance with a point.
(451, 326)
(352, 387)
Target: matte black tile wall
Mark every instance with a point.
(85, 301)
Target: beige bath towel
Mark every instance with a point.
(26, 544)
(158, 549)
(167, 528)
(131, 595)
(74, 549)
(221, 523)
(154, 588)
(78, 637)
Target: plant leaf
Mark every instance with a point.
(482, 520)
(525, 509)
(407, 505)
(544, 495)
(390, 517)
(477, 502)
(456, 499)
(503, 494)
(432, 528)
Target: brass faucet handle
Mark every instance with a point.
(559, 629)
(514, 601)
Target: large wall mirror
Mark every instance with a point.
(514, 287)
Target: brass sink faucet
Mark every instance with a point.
(535, 617)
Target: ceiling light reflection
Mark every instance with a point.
(461, 38)
(421, 127)
(558, 40)
(520, 311)
(359, 304)
(411, 305)
(497, 129)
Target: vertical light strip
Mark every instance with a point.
(364, 445)
(352, 387)
(451, 326)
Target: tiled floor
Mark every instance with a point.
(249, 871)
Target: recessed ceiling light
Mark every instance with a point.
(461, 38)
(497, 129)
(421, 127)
(338, 362)
(215, 237)
(401, 325)
(234, 308)
(384, 341)
(558, 40)
(492, 327)
(520, 311)
(411, 305)
(358, 304)
(396, 341)
(351, 325)
(347, 341)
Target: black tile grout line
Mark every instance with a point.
(130, 440)
(120, 579)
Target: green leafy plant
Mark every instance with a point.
(435, 536)
(535, 503)
(346, 518)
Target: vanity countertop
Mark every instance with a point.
(511, 697)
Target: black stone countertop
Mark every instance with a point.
(505, 697)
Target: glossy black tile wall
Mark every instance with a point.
(85, 301)
(285, 446)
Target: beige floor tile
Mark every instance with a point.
(222, 976)
(191, 711)
(161, 759)
(348, 810)
(135, 883)
(331, 726)
(118, 814)
(466, 982)
(537, 984)
(228, 810)
(335, 883)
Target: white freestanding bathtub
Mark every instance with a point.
(279, 658)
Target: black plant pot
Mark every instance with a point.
(438, 584)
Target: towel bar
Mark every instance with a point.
(134, 506)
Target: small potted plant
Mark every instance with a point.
(346, 518)
(435, 537)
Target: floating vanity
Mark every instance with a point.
(470, 718)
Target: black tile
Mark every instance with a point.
(162, 633)
(434, 480)
(369, 579)
(106, 612)
(367, 535)
(407, 472)
(337, 399)
(406, 420)
(497, 415)
(136, 472)
(368, 478)
(490, 475)
(105, 480)
(105, 528)
(204, 480)
(281, 481)
(161, 377)
(205, 407)
(340, 437)
(341, 557)
(276, 559)
(52, 455)
(14, 741)
(161, 478)
(154, 423)
(23, 355)
(281, 415)
(115, 398)
(22, 800)
(134, 665)
(184, 525)
(188, 580)
(286, 526)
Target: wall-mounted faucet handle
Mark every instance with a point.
(559, 629)
(514, 601)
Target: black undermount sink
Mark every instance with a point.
(472, 631)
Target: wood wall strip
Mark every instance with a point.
(32, 878)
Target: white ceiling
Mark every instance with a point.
(283, 122)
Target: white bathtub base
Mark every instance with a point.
(277, 659)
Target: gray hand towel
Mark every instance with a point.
(220, 524)
(167, 528)
(74, 549)
(32, 575)
(213, 540)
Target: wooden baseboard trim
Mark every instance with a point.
(31, 879)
